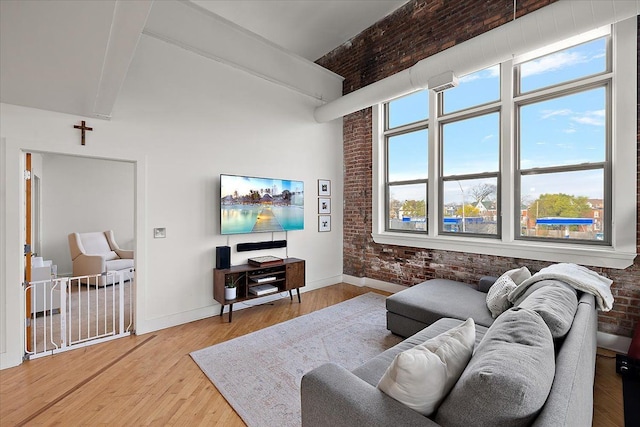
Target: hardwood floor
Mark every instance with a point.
(607, 391)
(151, 379)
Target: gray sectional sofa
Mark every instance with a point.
(334, 396)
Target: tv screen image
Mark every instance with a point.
(258, 205)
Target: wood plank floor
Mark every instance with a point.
(151, 379)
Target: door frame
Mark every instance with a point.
(12, 261)
(28, 242)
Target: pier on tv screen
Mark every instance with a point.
(257, 205)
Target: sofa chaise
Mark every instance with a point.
(334, 396)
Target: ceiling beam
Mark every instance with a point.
(129, 19)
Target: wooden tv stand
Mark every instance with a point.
(286, 276)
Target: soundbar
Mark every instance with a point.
(256, 246)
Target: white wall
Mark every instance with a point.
(183, 119)
(80, 195)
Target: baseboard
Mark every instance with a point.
(322, 283)
(614, 342)
(372, 283)
(10, 359)
(145, 326)
(156, 324)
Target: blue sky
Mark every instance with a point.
(231, 183)
(561, 131)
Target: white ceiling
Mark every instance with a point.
(307, 28)
(72, 56)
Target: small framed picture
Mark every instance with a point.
(324, 223)
(324, 205)
(324, 187)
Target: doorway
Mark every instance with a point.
(77, 195)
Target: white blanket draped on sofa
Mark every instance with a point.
(581, 278)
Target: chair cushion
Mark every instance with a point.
(95, 243)
(509, 377)
(119, 264)
(422, 376)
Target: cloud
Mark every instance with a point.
(553, 62)
(593, 118)
(487, 73)
(488, 137)
(552, 113)
(564, 145)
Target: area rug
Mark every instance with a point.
(259, 374)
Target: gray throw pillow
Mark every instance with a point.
(509, 377)
(556, 304)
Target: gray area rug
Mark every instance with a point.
(259, 374)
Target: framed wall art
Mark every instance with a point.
(324, 205)
(324, 223)
(324, 187)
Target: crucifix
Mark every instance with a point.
(83, 128)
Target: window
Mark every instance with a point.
(564, 136)
(407, 162)
(470, 154)
(529, 158)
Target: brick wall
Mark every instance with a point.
(417, 30)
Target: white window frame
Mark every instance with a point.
(622, 250)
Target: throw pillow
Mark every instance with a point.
(556, 304)
(509, 377)
(519, 275)
(497, 296)
(422, 376)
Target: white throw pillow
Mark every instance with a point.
(422, 377)
(498, 295)
(518, 275)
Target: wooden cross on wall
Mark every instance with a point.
(83, 128)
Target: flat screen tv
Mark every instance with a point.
(257, 205)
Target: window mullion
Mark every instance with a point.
(508, 142)
(379, 175)
(624, 128)
(433, 194)
(564, 168)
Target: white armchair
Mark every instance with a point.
(96, 253)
